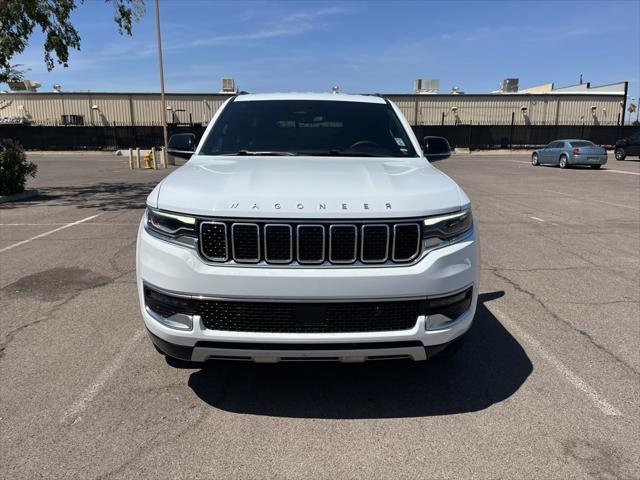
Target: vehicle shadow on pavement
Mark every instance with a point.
(489, 368)
(102, 196)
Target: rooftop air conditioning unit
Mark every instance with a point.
(426, 85)
(228, 85)
(509, 85)
(24, 86)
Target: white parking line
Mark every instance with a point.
(617, 205)
(594, 200)
(601, 403)
(67, 225)
(92, 390)
(538, 219)
(559, 193)
(621, 171)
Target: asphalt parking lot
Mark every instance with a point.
(546, 387)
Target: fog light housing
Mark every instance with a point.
(172, 312)
(442, 311)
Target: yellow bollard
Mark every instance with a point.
(131, 159)
(153, 156)
(137, 157)
(147, 161)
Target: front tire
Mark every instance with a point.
(564, 161)
(535, 161)
(620, 154)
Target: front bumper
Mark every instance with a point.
(174, 268)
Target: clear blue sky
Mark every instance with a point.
(379, 46)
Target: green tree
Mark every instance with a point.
(18, 19)
(14, 168)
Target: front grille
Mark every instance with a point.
(245, 242)
(214, 241)
(375, 243)
(406, 241)
(309, 244)
(276, 317)
(278, 243)
(343, 246)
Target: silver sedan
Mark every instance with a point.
(570, 152)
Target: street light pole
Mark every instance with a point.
(162, 99)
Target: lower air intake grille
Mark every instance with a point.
(276, 317)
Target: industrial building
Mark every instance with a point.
(581, 104)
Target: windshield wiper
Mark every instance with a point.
(260, 152)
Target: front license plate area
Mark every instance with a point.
(310, 315)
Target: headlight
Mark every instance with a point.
(444, 229)
(171, 226)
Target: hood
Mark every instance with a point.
(307, 187)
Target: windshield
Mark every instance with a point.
(582, 143)
(308, 127)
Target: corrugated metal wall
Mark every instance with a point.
(114, 109)
(540, 109)
(491, 109)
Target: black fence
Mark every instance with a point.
(91, 138)
(461, 136)
(522, 136)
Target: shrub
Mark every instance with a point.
(14, 168)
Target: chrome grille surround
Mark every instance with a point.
(269, 226)
(236, 257)
(332, 254)
(319, 236)
(301, 227)
(363, 234)
(396, 228)
(204, 225)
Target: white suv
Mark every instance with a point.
(307, 227)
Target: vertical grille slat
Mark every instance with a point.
(406, 241)
(245, 242)
(343, 243)
(214, 241)
(374, 243)
(278, 243)
(309, 243)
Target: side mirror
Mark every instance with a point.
(182, 145)
(436, 148)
